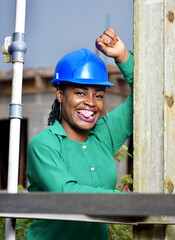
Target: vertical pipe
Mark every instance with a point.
(20, 16)
(14, 141)
(14, 138)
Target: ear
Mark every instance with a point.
(59, 95)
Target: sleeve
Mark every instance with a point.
(118, 124)
(48, 171)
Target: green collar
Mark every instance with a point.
(57, 129)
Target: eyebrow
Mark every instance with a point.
(86, 88)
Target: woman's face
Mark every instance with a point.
(81, 105)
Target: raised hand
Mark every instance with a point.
(112, 46)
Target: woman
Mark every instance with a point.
(75, 155)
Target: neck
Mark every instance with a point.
(75, 134)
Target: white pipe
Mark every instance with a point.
(14, 138)
(13, 156)
(20, 16)
(10, 233)
(17, 82)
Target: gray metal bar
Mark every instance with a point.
(75, 217)
(90, 218)
(108, 205)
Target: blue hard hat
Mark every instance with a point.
(83, 67)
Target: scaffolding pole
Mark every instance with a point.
(15, 48)
(154, 108)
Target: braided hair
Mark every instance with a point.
(55, 113)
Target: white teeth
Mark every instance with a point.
(85, 111)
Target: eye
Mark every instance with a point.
(99, 96)
(80, 93)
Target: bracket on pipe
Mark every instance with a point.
(16, 48)
(15, 110)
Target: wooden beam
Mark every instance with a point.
(154, 110)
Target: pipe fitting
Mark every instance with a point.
(15, 110)
(18, 47)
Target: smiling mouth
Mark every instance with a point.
(86, 115)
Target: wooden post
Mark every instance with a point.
(154, 108)
(169, 106)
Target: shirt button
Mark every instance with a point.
(84, 147)
(92, 169)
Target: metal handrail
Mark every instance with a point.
(110, 208)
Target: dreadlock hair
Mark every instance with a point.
(55, 113)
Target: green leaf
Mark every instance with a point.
(122, 156)
(20, 187)
(125, 147)
(119, 187)
(116, 154)
(119, 154)
(126, 152)
(126, 179)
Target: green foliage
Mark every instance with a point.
(120, 232)
(116, 232)
(20, 187)
(125, 180)
(2, 228)
(21, 228)
(122, 154)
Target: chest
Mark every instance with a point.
(90, 163)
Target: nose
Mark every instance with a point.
(90, 100)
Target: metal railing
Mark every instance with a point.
(131, 209)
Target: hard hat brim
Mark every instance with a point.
(56, 82)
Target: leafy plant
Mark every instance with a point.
(2, 227)
(122, 153)
(21, 228)
(121, 232)
(125, 180)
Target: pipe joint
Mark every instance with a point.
(15, 110)
(18, 47)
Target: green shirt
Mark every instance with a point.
(57, 164)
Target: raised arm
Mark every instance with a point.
(119, 122)
(112, 46)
